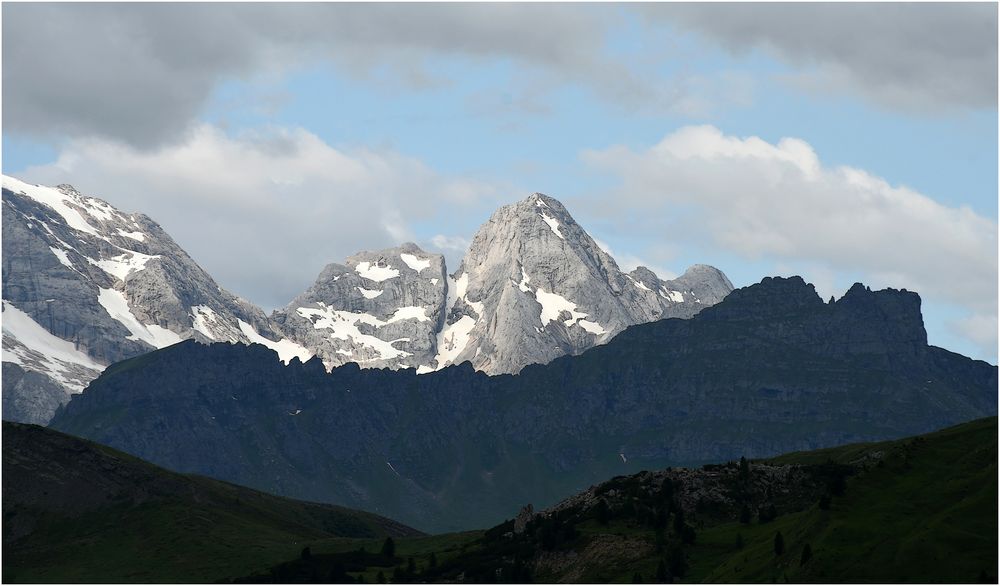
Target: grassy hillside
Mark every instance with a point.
(75, 511)
(922, 509)
(926, 511)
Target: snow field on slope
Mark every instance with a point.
(61, 357)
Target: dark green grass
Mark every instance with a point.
(920, 509)
(156, 525)
(928, 513)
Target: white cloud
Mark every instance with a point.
(778, 201)
(118, 70)
(263, 211)
(458, 244)
(923, 57)
(629, 262)
(980, 329)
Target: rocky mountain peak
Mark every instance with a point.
(772, 296)
(86, 284)
(535, 285)
(890, 313)
(379, 308)
(645, 277)
(538, 222)
(863, 322)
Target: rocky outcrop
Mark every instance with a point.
(525, 516)
(30, 396)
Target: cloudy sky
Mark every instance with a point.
(847, 142)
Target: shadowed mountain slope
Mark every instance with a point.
(768, 370)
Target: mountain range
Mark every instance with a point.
(770, 369)
(86, 285)
(447, 401)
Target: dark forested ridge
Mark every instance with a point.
(770, 369)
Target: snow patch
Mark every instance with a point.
(675, 296)
(34, 348)
(140, 236)
(370, 293)
(525, 279)
(285, 348)
(62, 256)
(54, 199)
(202, 316)
(116, 305)
(461, 286)
(343, 352)
(592, 326)
(638, 284)
(434, 281)
(477, 306)
(452, 340)
(553, 305)
(343, 325)
(375, 273)
(415, 263)
(98, 209)
(424, 369)
(205, 320)
(553, 224)
(409, 312)
(123, 265)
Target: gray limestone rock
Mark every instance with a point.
(29, 396)
(110, 284)
(89, 285)
(380, 309)
(535, 286)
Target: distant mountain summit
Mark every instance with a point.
(534, 286)
(86, 285)
(378, 309)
